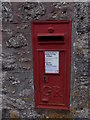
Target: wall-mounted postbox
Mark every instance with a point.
(51, 42)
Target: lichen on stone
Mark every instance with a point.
(17, 41)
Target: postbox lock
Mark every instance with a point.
(44, 79)
(50, 29)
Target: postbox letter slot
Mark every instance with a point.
(50, 39)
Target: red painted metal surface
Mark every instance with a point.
(52, 90)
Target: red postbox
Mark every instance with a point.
(51, 41)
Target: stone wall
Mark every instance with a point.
(17, 65)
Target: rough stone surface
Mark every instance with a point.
(7, 12)
(17, 66)
(31, 10)
(8, 63)
(17, 41)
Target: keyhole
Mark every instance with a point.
(44, 79)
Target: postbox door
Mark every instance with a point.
(52, 77)
(51, 58)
